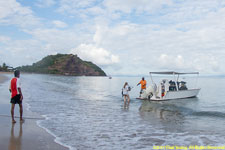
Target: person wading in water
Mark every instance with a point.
(125, 93)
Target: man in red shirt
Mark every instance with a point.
(143, 85)
(16, 95)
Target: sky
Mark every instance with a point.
(123, 37)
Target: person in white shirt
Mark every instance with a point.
(16, 95)
(126, 97)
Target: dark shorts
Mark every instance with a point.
(16, 99)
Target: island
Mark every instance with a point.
(64, 64)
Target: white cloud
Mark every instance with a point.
(171, 62)
(206, 63)
(148, 46)
(187, 11)
(95, 54)
(4, 39)
(59, 24)
(11, 12)
(75, 6)
(56, 39)
(112, 9)
(22, 52)
(138, 36)
(127, 6)
(45, 3)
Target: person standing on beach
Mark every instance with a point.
(16, 95)
(143, 85)
(126, 97)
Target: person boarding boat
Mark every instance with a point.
(143, 85)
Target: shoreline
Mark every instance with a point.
(53, 74)
(23, 136)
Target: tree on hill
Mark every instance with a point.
(4, 67)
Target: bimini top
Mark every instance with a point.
(173, 72)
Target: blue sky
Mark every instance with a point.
(124, 37)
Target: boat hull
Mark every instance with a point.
(178, 94)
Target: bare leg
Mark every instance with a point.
(12, 113)
(128, 100)
(140, 93)
(21, 112)
(124, 97)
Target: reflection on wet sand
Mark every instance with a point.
(15, 141)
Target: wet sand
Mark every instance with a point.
(22, 136)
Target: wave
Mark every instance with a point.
(209, 114)
(57, 139)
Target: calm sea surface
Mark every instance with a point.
(88, 113)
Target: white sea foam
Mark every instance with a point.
(57, 139)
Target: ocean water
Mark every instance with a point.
(88, 113)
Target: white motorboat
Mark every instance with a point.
(169, 89)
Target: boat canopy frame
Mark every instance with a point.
(174, 73)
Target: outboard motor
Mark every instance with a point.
(149, 92)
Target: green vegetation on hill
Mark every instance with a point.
(4, 67)
(66, 64)
(95, 67)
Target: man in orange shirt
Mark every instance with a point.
(143, 85)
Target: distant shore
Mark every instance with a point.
(22, 136)
(50, 74)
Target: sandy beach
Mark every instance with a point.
(22, 136)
